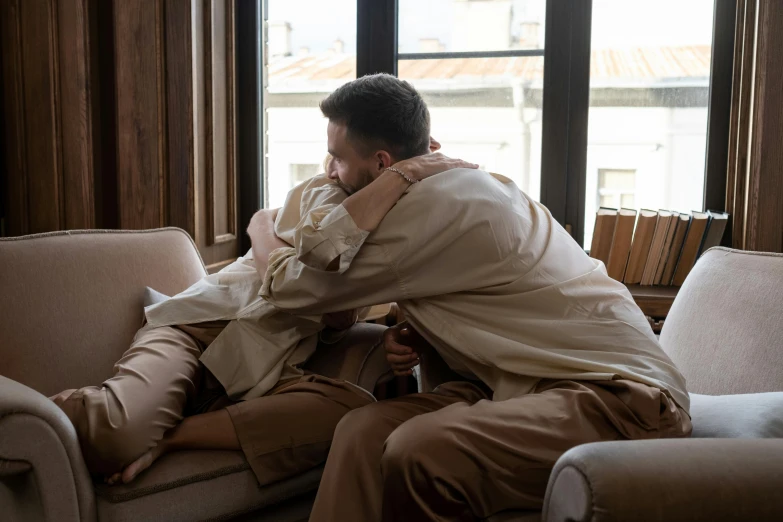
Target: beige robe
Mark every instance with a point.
(262, 344)
(498, 287)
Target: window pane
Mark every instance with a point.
(649, 93)
(486, 110)
(470, 25)
(311, 50)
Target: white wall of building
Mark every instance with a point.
(665, 146)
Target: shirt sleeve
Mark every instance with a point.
(290, 284)
(325, 234)
(314, 221)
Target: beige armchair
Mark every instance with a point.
(725, 333)
(70, 303)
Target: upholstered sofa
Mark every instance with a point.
(70, 303)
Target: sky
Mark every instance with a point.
(616, 23)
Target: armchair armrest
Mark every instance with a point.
(358, 357)
(41, 466)
(668, 480)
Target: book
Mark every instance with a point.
(715, 230)
(656, 248)
(640, 248)
(690, 248)
(621, 243)
(605, 221)
(674, 254)
(674, 223)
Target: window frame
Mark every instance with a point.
(566, 93)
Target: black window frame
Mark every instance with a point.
(566, 93)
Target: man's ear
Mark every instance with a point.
(383, 160)
(434, 145)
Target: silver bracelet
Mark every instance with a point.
(401, 173)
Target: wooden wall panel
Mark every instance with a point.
(40, 103)
(764, 221)
(214, 90)
(121, 113)
(138, 55)
(76, 103)
(755, 176)
(219, 121)
(179, 67)
(13, 120)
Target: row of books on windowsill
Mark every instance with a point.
(658, 248)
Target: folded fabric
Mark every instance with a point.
(152, 296)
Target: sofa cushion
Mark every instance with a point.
(747, 416)
(183, 486)
(723, 331)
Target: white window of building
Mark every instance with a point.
(617, 188)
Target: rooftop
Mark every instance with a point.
(631, 67)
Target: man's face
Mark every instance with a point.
(346, 166)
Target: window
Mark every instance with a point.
(616, 188)
(480, 68)
(649, 94)
(311, 50)
(583, 104)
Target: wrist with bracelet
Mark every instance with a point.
(401, 173)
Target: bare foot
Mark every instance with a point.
(140, 464)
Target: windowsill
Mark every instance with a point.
(655, 301)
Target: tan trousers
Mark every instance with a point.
(456, 455)
(159, 380)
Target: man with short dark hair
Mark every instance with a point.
(547, 352)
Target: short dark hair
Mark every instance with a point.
(381, 110)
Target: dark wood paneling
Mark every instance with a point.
(76, 97)
(140, 112)
(250, 147)
(215, 188)
(13, 120)
(105, 130)
(741, 103)
(49, 118)
(765, 185)
(219, 119)
(40, 111)
(180, 115)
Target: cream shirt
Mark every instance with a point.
(497, 286)
(262, 344)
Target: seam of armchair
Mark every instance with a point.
(553, 480)
(743, 252)
(157, 488)
(106, 231)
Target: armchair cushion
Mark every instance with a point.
(751, 415)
